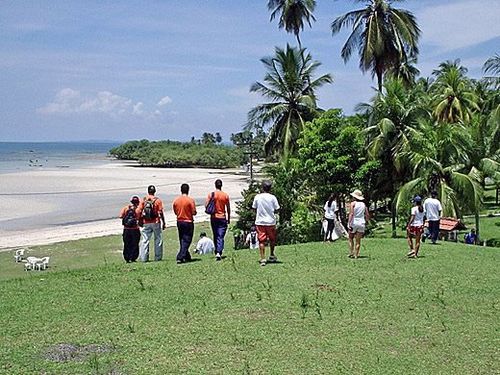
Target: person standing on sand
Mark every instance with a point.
(433, 209)
(184, 208)
(219, 220)
(358, 216)
(130, 215)
(266, 206)
(153, 223)
(415, 226)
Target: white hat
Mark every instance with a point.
(357, 194)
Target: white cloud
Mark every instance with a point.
(459, 24)
(164, 101)
(69, 101)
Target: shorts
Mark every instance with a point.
(266, 232)
(356, 228)
(416, 230)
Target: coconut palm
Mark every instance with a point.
(492, 65)
(292, 14)
(453, 97)
(384, 36)
(393, 125)
(290, 86)
(406, 71)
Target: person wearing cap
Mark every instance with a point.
(358, 216)
(220, 219)
(415, 226)
(153, 224)
(433, 209)
(185, 210)
(131, 215)
(205, 245)
(266, 206)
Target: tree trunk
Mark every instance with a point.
(478, 241)
(496, 198)
(393, 219)
(379, 79)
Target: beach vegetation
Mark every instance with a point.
(173, 154)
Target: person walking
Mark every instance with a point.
(266, 206)
(415, 227)
(331, 213)
(358, 216)
(220, 218)
(185, 209)
(153, 223)
(433, 209)
(130, 215)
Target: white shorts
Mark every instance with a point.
(357, 228)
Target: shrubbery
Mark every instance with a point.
(174, 154)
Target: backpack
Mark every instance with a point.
(253, 238)
(130, 220)
(210, 207)
(149, 212)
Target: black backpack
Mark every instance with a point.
(130, 220)
(253, 238)
(148, 212)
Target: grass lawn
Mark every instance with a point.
(317, 312)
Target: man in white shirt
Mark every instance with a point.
(266, 206)
(205, 245)
(433, 209)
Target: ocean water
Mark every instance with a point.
(23, 156)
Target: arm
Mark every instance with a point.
(351, 215)
(228, 210)
(367, 214)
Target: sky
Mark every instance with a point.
(172, 69)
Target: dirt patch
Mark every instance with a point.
(324, 287)
(70, 352)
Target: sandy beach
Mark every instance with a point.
(45, 206)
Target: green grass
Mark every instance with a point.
(316, 312)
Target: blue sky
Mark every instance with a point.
(121, 70)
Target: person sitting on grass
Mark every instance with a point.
(358, 216)
(205, 245)
(415, 227)
(471, 237)
(252, 241)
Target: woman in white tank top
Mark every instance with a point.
(415, 227)
(358, 216)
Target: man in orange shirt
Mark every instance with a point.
(130, 215)
(153, 223)
(221, 218)
(184, 208)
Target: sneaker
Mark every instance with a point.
(218, 257)
(262, 262)
(272, 259)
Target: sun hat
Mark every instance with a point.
(134, 199)
(358, 195)
(417, 198)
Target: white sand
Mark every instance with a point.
(52, 205)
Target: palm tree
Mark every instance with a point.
(290, 86)
(492, 65)
(384, 37)
(441, 161)
(393, 125)
(292, 14)
(406, 71)
(453, 93)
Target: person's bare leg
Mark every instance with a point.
(351, 244)
(410, 241)
(271, 248)
(262, 250)
(358, 243)
(417, 243)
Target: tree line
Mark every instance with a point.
(416, 134)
